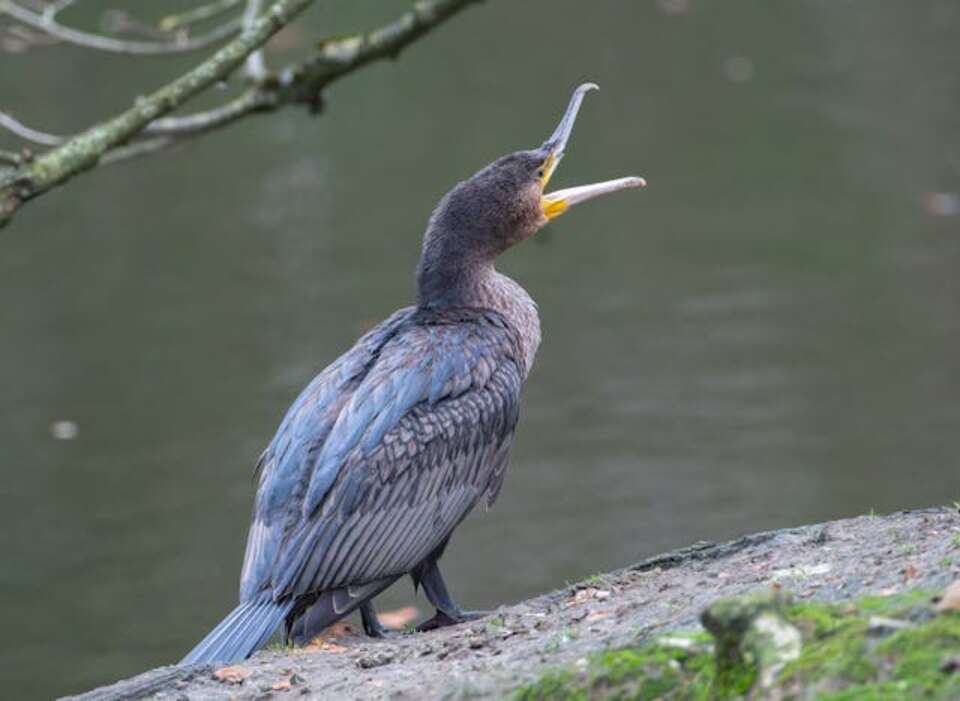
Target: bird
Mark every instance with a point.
(388, 449)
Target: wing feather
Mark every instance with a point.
(385, 453)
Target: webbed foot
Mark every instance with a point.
(443, 619)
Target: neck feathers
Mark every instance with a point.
(479, 286)
(451, 281)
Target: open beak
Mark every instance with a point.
(556, 203)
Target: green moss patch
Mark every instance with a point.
(870, 649)
(681, 666)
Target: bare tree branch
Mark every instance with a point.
(10, 123)
(139, 148)
(84, 150)
(10, 158)
(17, 38)
(339, 57)
(122, 22)
(170, 131)
(197, 14)
(250, 101)
(182, 44)
(193, 124)
(302, 83)
(51, 11)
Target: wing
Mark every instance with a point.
(409, 450)
(293, 449)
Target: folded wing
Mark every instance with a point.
(385, 453)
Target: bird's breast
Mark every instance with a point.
(507, 297)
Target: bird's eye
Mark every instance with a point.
(540, 173)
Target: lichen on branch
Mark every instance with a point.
(118, 138)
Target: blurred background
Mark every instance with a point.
(766, 336)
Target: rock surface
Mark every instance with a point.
(491, 657)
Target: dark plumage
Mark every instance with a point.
(388, 449)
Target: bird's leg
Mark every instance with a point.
(371, 624)
(448, 613)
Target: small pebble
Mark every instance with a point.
(881, 625)
(951, 598)
(377, 659)
(950, 664)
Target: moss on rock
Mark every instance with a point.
(869, 649)
(677, 666)
(754, 640)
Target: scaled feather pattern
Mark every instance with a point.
(385, 452)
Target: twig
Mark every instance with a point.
(301, 83)
(121, 22)
(21, 38)
(249, 101)
(197, 14)
(103, 43)
(171, 131)
(138, 148)
(43, 138)
(10, 158)
(337, 58)
(51, 11)
(196, 123)
(84, 150)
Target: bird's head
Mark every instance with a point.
(507, 202)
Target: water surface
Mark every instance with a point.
(767, 336)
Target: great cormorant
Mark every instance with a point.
(388, 449)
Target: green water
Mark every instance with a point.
(768, 335)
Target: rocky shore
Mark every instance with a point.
(854, 606)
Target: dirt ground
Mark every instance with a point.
(490, 657)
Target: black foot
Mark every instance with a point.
(371, 623)
(442, 620)
(448, 613)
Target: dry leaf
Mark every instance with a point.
(398, 618)
(326, 639)
(911, 571)
(234, 674)
(337, 630)
(951, 598)
(597, 615)
(282, 685)
(581, 596)
(321, 643)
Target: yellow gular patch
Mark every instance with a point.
(548, 167)
(553, 208)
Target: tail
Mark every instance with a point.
(238, 635)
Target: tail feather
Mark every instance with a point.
(238, 635)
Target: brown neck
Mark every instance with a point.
(447, 281)
(479, 285)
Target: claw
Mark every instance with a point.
(442, 620)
